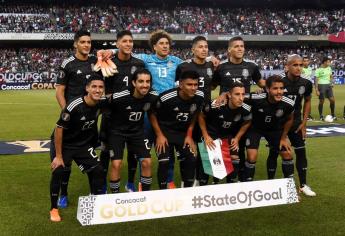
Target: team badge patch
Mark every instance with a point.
(133, 69)
(209, 72)
(279, 113)
(301, 90)
(245, 73)
(192, 108)
(237, 117)
(65, 116)
(147, 106)
(62, 74)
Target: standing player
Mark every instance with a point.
(71, 82)
(324, 86)
(229, 121)
(205, 70)
(173, 123)
(307, 73)
(121, 81)
(236, 69)
(126, 123)
(272, 119)
(298, 89)
(73, 139)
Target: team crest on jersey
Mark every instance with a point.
(133, 69)
(192, 108)
(65, 116)
(146, 106)
(170, 64)
(237, 117)
(245, 73)
(62, 74)
(209, 72)
(279, 113)
(301, 90)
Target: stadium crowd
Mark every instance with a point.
(49, 59)
(187, 20)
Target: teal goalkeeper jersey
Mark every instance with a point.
(163, 70)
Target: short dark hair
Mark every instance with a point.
(236, 85)
(324, 59)
(123, 33)
(81, 33)
(94, 76)
(197, 39)
(141, 71)
(274, 79)
(237, 38)
(157, 35)
(189, 74)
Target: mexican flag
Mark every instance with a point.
(216, 162)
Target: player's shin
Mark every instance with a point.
(146, 176)
(231, 178)
(55, 184)
(301, 165)
(271, 163)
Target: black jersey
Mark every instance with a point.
(269, 116)
(74, 74)
(123, 80)
(79, 122)
(127, 112)
(175, 114)
(205, 72)
(228, 73)
(297, 90)
(222, 121)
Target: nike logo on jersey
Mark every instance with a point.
(285, 90)
(79, 72)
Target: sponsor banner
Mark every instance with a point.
(43, 85)
(20, 147)
(15, 86)
(124, 207)
(325, 131)
(337, 38)
(26, 77)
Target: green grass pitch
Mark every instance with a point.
(24, 188)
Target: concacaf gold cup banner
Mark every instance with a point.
(123, 207)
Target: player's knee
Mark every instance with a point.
(116, 165)
(146, 163)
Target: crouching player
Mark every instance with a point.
(74, 139)
(126, 126)
(229, 121)
(173, 122)
(272, 119)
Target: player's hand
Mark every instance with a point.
(57, 161)
(260, 91)
(221, 99)
(189, 142)
(284, 143)
(105, 54)
(234, 144)
(215, 61)
(317, 92)
(161, 143)
(209, 142)
(303, 129)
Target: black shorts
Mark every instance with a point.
(326, 91)
(85, 157)
(254, 136)
(181, 153)
(296, 138)
(136, 143)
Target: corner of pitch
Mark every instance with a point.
(138, 207)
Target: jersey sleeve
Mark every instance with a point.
(63, 76)
(308, 89)
(178, 73)
(256, 74)
(65, 119)
(141, 56)
(216, 78)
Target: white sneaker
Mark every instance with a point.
(306, 190)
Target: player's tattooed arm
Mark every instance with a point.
(207, 138)
(234, 142)
(161, 140)
(58, 161)
(284, 141)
